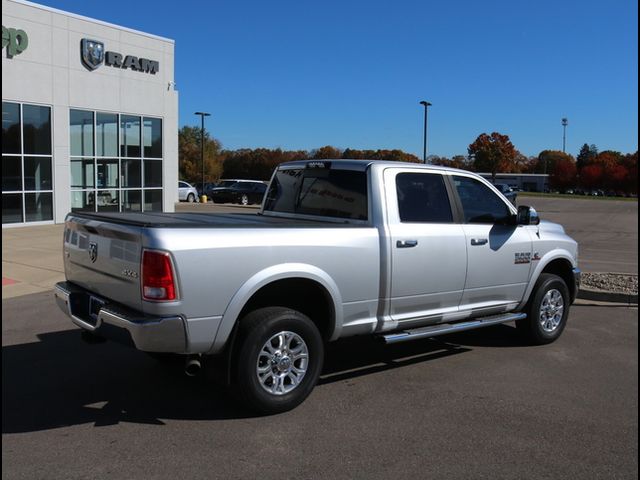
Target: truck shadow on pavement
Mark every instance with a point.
(61, 381)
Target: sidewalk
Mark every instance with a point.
(31, 259)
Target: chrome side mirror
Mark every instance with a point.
(527, 215)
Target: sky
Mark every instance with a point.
(351, 74)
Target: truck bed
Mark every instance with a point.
(212, 220)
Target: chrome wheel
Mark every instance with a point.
(551, 310)
(244, 200)
(282, 363)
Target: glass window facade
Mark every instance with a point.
(27, 163)
(116, 162)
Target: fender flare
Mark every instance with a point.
(265, 277)
(555, 254)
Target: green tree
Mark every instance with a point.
(189, 155)
(587, 153)
(492, 153)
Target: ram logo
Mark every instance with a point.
(92, 53)
(522, 257)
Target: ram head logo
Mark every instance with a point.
(92, 53)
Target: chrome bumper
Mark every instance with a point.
(97, 315)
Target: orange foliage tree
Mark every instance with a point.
(492, 153)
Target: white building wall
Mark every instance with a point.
(50, 72)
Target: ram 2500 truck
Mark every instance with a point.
(339, 248)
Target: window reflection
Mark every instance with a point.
(107, 134)
(38, 206)
(81, 130)
(152, 137)
(107, 173)
(129, 136)
(37, 129)
(124, 181)
(11, 127)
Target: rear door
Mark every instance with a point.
(428, 248)
(499, 254)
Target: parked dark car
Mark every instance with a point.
(244, 193)
(507, 191)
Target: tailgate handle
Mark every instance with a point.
(406, 243)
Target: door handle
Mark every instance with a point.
(478, 241)
(406, 243)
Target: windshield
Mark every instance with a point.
(322, 192)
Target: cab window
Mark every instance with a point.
(422, 198)
(479, 202)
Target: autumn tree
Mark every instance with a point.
(630, 183)
(548, 159)
(492, 153)
(591, 176)
(564, 172)
(326, 152)
(189, 155)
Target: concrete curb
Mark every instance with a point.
(603, 296)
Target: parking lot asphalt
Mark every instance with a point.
(472, 405)
(606, 230)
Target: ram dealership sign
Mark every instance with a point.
(93, 54)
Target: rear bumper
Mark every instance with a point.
(119, 323)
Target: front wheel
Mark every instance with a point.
(278, 361)
(191, 198)
(547, 310)
(244, 200)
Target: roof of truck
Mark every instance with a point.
(362, 165)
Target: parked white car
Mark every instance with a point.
(187, 192)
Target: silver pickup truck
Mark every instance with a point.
(339, 248)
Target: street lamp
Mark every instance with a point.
(202, 115)
(424, 145)
(565, 122)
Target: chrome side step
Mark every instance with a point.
(442, 329)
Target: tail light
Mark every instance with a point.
(158, 279)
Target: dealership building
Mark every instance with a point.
(89, 117)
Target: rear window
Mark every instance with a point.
(322, 192)
(422, 198)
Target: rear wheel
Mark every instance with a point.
(547, 310)
(244, 200)
(278, 360)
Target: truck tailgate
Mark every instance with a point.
(104, 257)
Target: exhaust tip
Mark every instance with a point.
(192, 367)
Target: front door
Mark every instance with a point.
(499, 253)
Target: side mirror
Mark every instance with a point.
(527, 216)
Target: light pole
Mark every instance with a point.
(424, 144)
(202, 115)
(565, 122)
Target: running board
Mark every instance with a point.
(442, 329)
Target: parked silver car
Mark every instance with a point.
(187, 192)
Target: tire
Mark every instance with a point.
(271, 379)
(191, 198)
(244, 200)
(547, 311)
